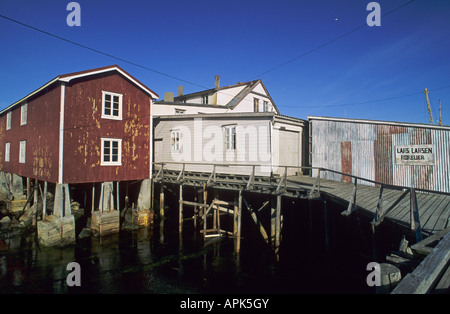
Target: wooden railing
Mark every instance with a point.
(281, 180)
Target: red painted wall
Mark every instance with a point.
(40, 133)
(84, 127)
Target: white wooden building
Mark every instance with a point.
(238, 124)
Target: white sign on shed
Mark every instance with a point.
(414, 155)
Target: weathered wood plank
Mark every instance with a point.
(428, 273)
(432, 209)
(440, 207)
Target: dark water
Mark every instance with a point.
(313, 259)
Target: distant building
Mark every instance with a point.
(405, 154)
(237, 124)
(241, 97)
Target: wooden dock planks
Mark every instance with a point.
(434, 209)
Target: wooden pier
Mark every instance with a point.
(419, 212)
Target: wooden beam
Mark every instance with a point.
(352, 202)
(429, 272)
(415, 222)
(180, 218)
(93, 197)
(278, 227)
(161, 201)
(239, 221)
(44, 201)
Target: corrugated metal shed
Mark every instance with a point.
(366, 148)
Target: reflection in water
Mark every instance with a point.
(159, 260)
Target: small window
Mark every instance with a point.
(255, 104)
(175, 140)
(7, 152)
(179, 111)
(111, 152)
(112, 106)
(8, 120)
(205, 99)
(22, 151)
(266, 106)
(230, 137)
(23, 114)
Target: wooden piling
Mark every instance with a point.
(273, 215)
(239, 221)
(93, 198)
(28, 191)
(181, 209)
(278, 226)
(44, 201)
(161, 201)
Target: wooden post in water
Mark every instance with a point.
(205, 197)
(35, 202)
(273, 215)
(44, 201)
(28, 191)
(215, 212)
(180, 221)
(239, 221)
(278, 226)
(161, 201)
(195, 209)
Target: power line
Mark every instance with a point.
(326, 43)
(101, 52)
(368, 101)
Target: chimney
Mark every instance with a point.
(180, 90)
(168, 97)
(217, 82)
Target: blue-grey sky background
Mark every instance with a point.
(375, 73)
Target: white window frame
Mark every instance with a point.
(179, 111)
(230, 137)
(205, 99)
(22, 152)
(7, 152)
(111, 115)
(256, 104)
(119, 152)
(8, 120)
(175, 140)
(23, 114)
(265, 106)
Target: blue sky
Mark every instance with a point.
(372, 73)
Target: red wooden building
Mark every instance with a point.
(89, 126)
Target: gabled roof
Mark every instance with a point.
(66, 78)
(248, 88)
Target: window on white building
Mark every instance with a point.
(23, 114)
(111, 152)
(175, 140)
(255, 104)
(266, 106)
(112, 106)
(205, 99)
(230, 137)
(22, 151)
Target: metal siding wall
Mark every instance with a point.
(373, 154)
(441, 178)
